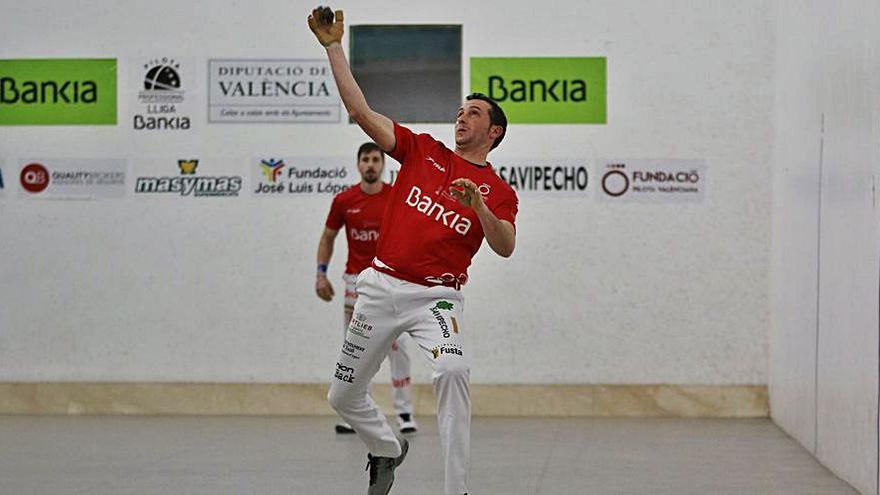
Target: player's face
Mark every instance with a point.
(370, 165)
(473, 126)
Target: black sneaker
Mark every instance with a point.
(344, 429)
(382, 470)
(406, 423)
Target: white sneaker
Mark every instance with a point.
(407, 424)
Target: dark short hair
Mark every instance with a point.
(368, 147)
(496, 115)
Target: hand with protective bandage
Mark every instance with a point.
(469, 195)
(327, 29)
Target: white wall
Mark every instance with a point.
(795, 240)
(824, 350)
(136, 289)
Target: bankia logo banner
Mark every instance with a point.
(58, 92)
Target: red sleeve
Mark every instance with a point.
(507, 209)
(336, 217)
(405, 143)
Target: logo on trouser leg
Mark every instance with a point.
(352, 350)
(446, 349)
(444, 327)
(359, 326)
(344, 373)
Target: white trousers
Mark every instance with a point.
(385, 308)
(398, 358)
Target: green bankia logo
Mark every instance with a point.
(58, 92)
(544, 90)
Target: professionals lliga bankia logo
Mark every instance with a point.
(189, 184)
(58, 92)
(161, 96)
(663, 180)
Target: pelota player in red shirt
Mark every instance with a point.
(443, 204)
(359, 209)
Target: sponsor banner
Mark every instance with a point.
(301, 176)
(547, 176)
(66, 178)
(267, 91)
(188, 178)
(162, 94)
(660, 181)
(58, 92)
(530, 176)
(544, 90)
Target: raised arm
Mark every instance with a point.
(329, 32)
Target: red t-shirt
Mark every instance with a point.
(426, 234)
(361, 213)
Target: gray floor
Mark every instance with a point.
(293, 456)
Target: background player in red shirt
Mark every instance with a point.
(443, 204)
(360, 208)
